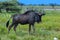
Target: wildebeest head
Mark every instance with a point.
(39, 16)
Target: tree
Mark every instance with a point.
(42, 4)
(53, 5)
(10, 5)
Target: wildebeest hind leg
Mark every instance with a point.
(10, 27)
(15, 27)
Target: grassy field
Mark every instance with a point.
(46, 30)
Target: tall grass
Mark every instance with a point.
(46, 30)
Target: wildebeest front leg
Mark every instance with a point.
(15, 27)
(10, 27)
(33, 28)
(29, 28)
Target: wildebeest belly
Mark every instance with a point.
(24, 22)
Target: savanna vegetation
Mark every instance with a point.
(46, 30)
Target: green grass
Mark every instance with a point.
(46, 30)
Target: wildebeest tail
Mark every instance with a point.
(7, 24)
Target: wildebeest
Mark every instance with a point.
(29, 17)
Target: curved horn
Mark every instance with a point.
(43, 12)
